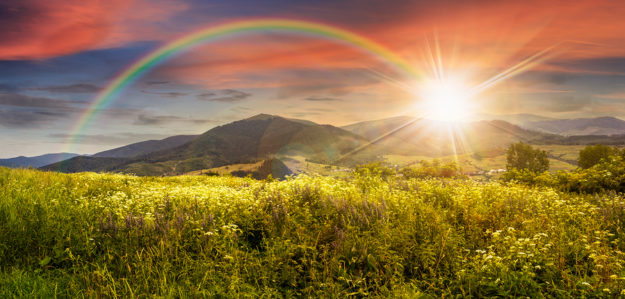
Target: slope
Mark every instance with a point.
(257, 138)
(411, 136)
(145, 147)
(580, 126)
(36, 161)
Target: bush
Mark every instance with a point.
(432, 169)
(374, 169)
(607, 175)
(593, 154)
(524, 156)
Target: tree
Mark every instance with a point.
(524, 156)
(592, 155)
(375, 169)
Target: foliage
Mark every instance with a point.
(607, 175)
(524, 156)
(110, 235)
(432, 169)
(527, 176)
(593, 154)
(376, 169)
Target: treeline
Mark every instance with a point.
(601, 168)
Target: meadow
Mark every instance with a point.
(366, 234)
(561, 157)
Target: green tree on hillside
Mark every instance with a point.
(591, 155)
(524, 156)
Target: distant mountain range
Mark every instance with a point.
(515, 119)
(411, 136)
(262, 140)
(580, 126)
(131, 150)
(37, 161)
(607, 126)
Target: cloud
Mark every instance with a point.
(41, 28)
(149, 120)
(559, 103)
(109, 139)
(72, 88)
(4, 88)
(304, 114)
(600, 65)
(241, 109)
(613, 96)
(322, 99)
(156, 82)
(21, 100)
(28, 119)
(224, 95)
(167, 94)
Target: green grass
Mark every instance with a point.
(471, 163)
(110, 235)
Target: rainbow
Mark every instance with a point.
(106, 96)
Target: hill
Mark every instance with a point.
(36, 161)
(259, 170)
(145, 147)
(606, 125)
(411, 136)
(580, 126)
(257, 138)
(519, 119)
(274, 167)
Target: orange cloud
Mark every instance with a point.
(480, 37)
(36, 29)
(40, 29)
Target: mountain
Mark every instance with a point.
(580, 126)
(145, 147)
(412, 136)
(36, 161)
(519, 119)
(257, 138)
(567, 127)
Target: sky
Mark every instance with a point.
(55, 56)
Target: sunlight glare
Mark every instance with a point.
(446, 100)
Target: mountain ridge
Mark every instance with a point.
(256, 138)
(264, 136)
(36, 161)
(145, 147)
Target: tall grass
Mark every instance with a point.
(109, 235)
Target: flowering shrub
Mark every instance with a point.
(607, 175)
(433, 169)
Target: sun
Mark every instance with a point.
(446, 100)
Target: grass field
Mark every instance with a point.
(224, 170)
(563, 157)
(109, 235)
